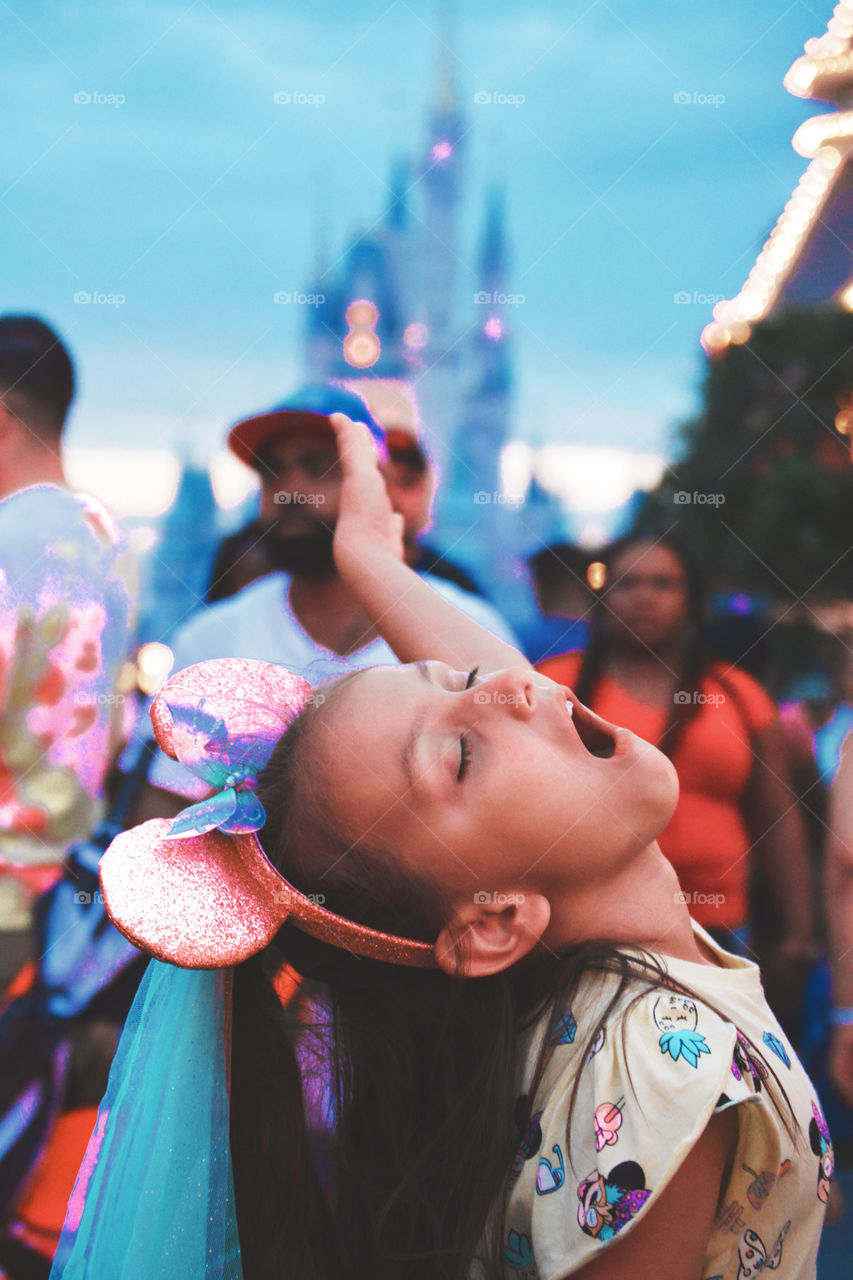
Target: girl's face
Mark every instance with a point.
(489, 785)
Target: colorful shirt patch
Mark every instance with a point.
(518, 1251)
(676, 1016)
(773, 1042)
(566, 1029)
(821, 1145)
(608, 1202)
(548, 1176)
(745, 1063)
(753, 1257)
(607, 1121)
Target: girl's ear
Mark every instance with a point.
(490, 932)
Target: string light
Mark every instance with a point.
(596, 575)
(826, 69)
(362, 347)
(844, 417)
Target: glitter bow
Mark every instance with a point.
(226, 747)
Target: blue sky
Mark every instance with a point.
(195, 198)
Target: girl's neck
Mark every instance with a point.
(643, 906)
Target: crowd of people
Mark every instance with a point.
(502, 916)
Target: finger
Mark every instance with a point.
(355, 443)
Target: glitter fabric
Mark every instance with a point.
(209, 900)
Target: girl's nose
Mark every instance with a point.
(511, 690)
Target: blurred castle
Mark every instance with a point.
(408, 304)
(407, 309)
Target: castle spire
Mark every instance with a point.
(493, 251)
(397, 214)
(445, 117)
(445, 99)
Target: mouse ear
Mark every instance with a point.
(212, 900)
(199, 902)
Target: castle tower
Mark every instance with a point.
(440, 274)
(808, 258)
(483, 426)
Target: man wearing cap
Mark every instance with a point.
(411, 488)
(301, 615)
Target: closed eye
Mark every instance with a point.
(464, 745)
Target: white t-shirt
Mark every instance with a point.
(258, 623)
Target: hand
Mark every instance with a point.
(840, 1063)
(366, 522)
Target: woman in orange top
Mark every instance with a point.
(648, 668)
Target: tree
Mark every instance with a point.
(763, 489)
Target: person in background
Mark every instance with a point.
(411, 485)
(303, 615)
(241, 558)
(839, 911)
(65, 630)
(565, 599)
(647, 667)
(244, 556)
(66, 617)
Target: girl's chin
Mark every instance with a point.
(659, 781)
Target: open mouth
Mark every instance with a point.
(593, 732)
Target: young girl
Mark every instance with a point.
(538, 1065)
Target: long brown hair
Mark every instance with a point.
(422, 1066)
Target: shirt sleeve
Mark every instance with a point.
(649, 1085)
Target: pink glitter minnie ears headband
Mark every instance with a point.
(198, 891)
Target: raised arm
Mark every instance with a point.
(416, 622)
